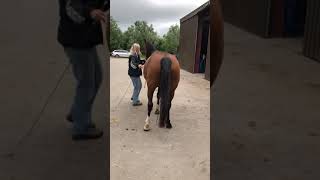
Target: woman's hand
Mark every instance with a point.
(141, 66)
(98, 15)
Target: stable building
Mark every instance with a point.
(278, 18)
(194, 45)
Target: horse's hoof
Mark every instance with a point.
(168, 125)
(146, 127)
(157, 111)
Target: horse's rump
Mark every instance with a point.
(152, 68)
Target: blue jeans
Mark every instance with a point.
(137, 85)
(87, 71)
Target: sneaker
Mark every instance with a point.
(69, 118)
(92, 133)
(137, 103)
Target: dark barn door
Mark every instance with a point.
(287, 18)
(198, 48)
(294, 17)
(277, 18)
(204, 47)
(202, 41)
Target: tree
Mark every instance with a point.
(137, 32)
(115, 35)
(160, 44)
(171, 39)
(140, 30)
(128, 37)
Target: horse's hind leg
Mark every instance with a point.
(158, 99)
(150, 106)
(168, 123)
(161, 123)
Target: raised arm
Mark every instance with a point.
(80, 11)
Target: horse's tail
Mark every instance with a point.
(165, 83)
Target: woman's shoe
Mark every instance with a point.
(137, 103)
(92, 133)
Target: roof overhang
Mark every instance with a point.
(195, 12)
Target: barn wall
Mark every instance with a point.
(312, 30)
(188, 42)
(250, 15)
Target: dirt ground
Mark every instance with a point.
(180, 153)
(266, 110)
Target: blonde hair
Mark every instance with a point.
(135, 49)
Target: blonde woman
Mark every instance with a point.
(135, 72)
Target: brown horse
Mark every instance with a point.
(217, 39)
(161, 70)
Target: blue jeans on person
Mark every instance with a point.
(87, 71)
(137, 85)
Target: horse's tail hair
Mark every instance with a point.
(165, 86)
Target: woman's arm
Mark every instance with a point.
(135, 60)
(80, 12)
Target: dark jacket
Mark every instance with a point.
(133, 63)
(76, 28)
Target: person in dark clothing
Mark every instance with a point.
(135, 72)
(79, 32)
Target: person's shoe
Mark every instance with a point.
(137, 103)
(92, 133)
(69, 118)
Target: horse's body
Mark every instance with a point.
(217, 39)
(162, 71)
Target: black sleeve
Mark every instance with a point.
(135, 60)
(106, 5)
(79, 11)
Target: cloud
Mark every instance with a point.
(160, 13)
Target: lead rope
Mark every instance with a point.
(38, 117)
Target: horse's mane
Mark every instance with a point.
(149, 48)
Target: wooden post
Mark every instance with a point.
(105, 31)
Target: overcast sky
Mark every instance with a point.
(161, 13)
